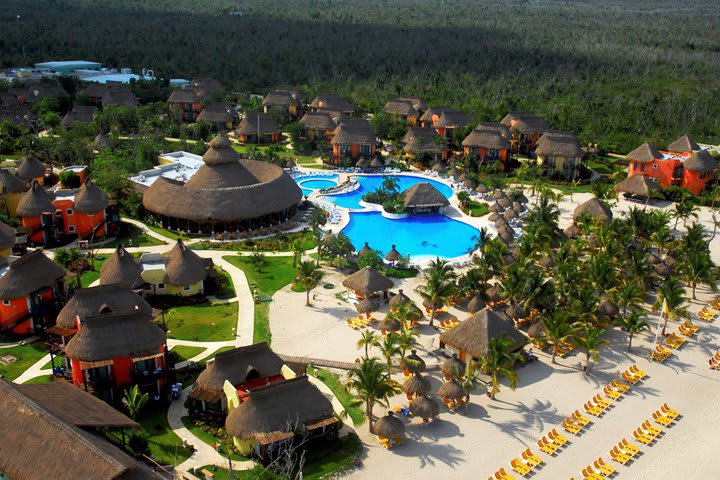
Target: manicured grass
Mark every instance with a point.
(165, 233)
(344, 396)
(166, 448)
(257, 473)
(565, 188)
(25, 355)
(282, 242)
(277, 272)
(206, 322)
(185, 352)
(229, 287)
(90, 276)
(135, 238)
(476, 209)
(285, 153)
(45, 379)
(210, 440)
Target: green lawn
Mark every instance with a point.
(285, 153)
(165, 233)
(90, 276)
(45, 379)
(257, 473)
(345, 397)
(476, 209)
(229, 287)
(185, 352)
(166, 448)
(277, 273)
(25, 357)
(135, 238)
(210, 440)
(282, 242)
(206, 322)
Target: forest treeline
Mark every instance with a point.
(617, 72)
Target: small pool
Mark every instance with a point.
(310, 183)
(368, 183)
(416, 235)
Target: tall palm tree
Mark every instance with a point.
(661, 237)
(482, 239)
(590, 340)
(439, 285)
(298, 251)
(407, 340)
(389, 348)
(558, 330)
(697, 268)
(470, 380)
(628, 295)
(405, 314)
(372, 385)
(673, 293)
(632, 324)
(600, 271)
(308, 275)
(498, 363)
(368, 339)
(684, 210)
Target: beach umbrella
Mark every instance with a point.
(393, 255)
(493, 216)
(469, 183)
(389, 324)
(493, 294)
(476, 304)
(365, 249)
(546, 261)
(451, 390)
(509, 214)
(399, 299)
(412, 363)
(495, 208)
(663, 270)
(389, 426)
(504, 202)
(453, 172)
(573, 231)
(518, 207)
(595, 209)
(652, 259)
(439, 168)
(506, 237)
(482, 189)
(521, 198)
(608, 308)
(453, 367)
(290, 164)
(362, 163)
(424, 407)
(516, 312)
(377, 163)
(367, 305)
(669, 261)
(536, 330)
(498, 195)
(415, 386)
(432, 306)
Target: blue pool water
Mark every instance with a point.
(310, 183)
(372, 182)
(434, 235)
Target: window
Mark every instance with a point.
(69, 211)
(703, 174)
(635, 165)
(161, 286)
(493, 153)
(344, 149)
(365, 149)
(6, 303)
(71, 228)
(186, 288)
(642, 167)
(655, 166)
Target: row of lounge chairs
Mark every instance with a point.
(448, 323)
(633, 375)
(714, 361)
(603, 469)
(707, 314)
(646, 434)
(358, 323)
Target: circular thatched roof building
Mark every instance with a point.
(367, 281)
(226, 193)
(9, 183)
(393, 255)
(416, 385)
(87, 302)
(121, 268)
(7, 236)
(35, 202)
(90, 198)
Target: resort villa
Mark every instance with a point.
(488, 142)
(449, 121)
(408, 109)
(259, 128)
(353, 138)
(79, 114)
(227, 193)
(559, 154)
(30, 168)
(431, 115)
(318, 125)
(186, 103)
(332, 103)
(221, 115)
(11, 188)
(181, 272)
(31, 292)
(287, 105)
(684, 164)
(526, 129)
(425, 143)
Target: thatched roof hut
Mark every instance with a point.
(469, 183)
(393, 255)
(389, 324)
(493, 294)
(121, 268)
(451, 390)
(87, 302)
(453, 367)
(476, 304)
(226, 189)
(218, 113)
(389, 426)
(109, 335)
(80, 114)
(554, 143)
(367, 305)
(7, 236)
(90, 199)
(321, 121)
(439, 167)
(433, 111)
(684, 144)
(367, 281)
(422, 196)
(235, 366)
(101, 142)
(452, 119)
(413, 363)
(573, 231)
(488, 138)
(644, 153)
(424, 140)
(377, 163)
(639, 185)
(34, 417)
(482, 189)
(333, 102)
(416, 385)
(474, 334)
(663, 270)
(275, 411)
(399, 299)
(536, 330)
(183, 266)
(353, 132)
(494, 216)
(9, 183)
(365, 249)
(283, 98)
(504, 202)
(516, 312)
(424, 407)
(400, 107)
(608, 308)
(595, 209)
(28, 274)
(29, 168)
(35, 202)
(498, 194)
(183, 95)
(257, 123)
(701, 162)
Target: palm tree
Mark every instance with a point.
(482, 239)
(590, 340)
(632, 324)
(368, 339)
(134, 401)
(371, 384)
(470, 380)
(671, 292)
(529, 171)
(498, 363)
(661, 237)
(405, 314)
(558, 329)
(684, 210)
(390, 348)
(308, 275)
(317, 219)
(628, 295)
(696, 268)
(438, 287)
(407, 339)
(390, 183)
(298, 251)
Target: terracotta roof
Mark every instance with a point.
(28, 274)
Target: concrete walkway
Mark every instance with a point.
(35, 370)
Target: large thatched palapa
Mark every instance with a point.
(226, 193)
(472, 336)
(367, 281)
(34, 417)
(423, 197)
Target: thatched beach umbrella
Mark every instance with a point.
(495, 207)
(595, 209)
(536, 330)
(439, 168)
(482, 189)
(546, 261)
(367, 305)
(412, 363)
(451, 390)
(493, 294)
(365, 249)
(493, 216)
(518, 207)
(367, 281)
(290, 164)
(652, 259)
(504, 202)
(469, 183)
(608, 308)
(432, 306)
(573, 231)
(393, 255)
(362, 163)
(498, 195)
(389, 324)
(377, 163)
(516, 312)
(399, 299)
(663, 270)
(521, 198)
(510, 214)
(453, 368)
(416, 386)
(509, 259)
(389, 426)
(424, 407)
(453, 172)
(669, 261)
(476, 304)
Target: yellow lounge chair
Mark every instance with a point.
(531, 459)
(580, 419)
(662, 419)
(589, 474)
(630, 378)
(601, 402)
(619, 386)
(669, 411)
(503, 475)
(628, 447)
(547, 447)
(520, 467)
(604, 467)
(556, 438)
(618, 456)
(637, 372)
(593, 410)
(571, 427)
(641, 437)
(652, 429)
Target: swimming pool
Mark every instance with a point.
(310, 183)
(368, 183)
(416, 235)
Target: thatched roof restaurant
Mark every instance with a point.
(276, 412)
(472, 336)
(424, 198)
(595, 209)
(121, 268)
(49, 431)
(227, 193)
(367, 281)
